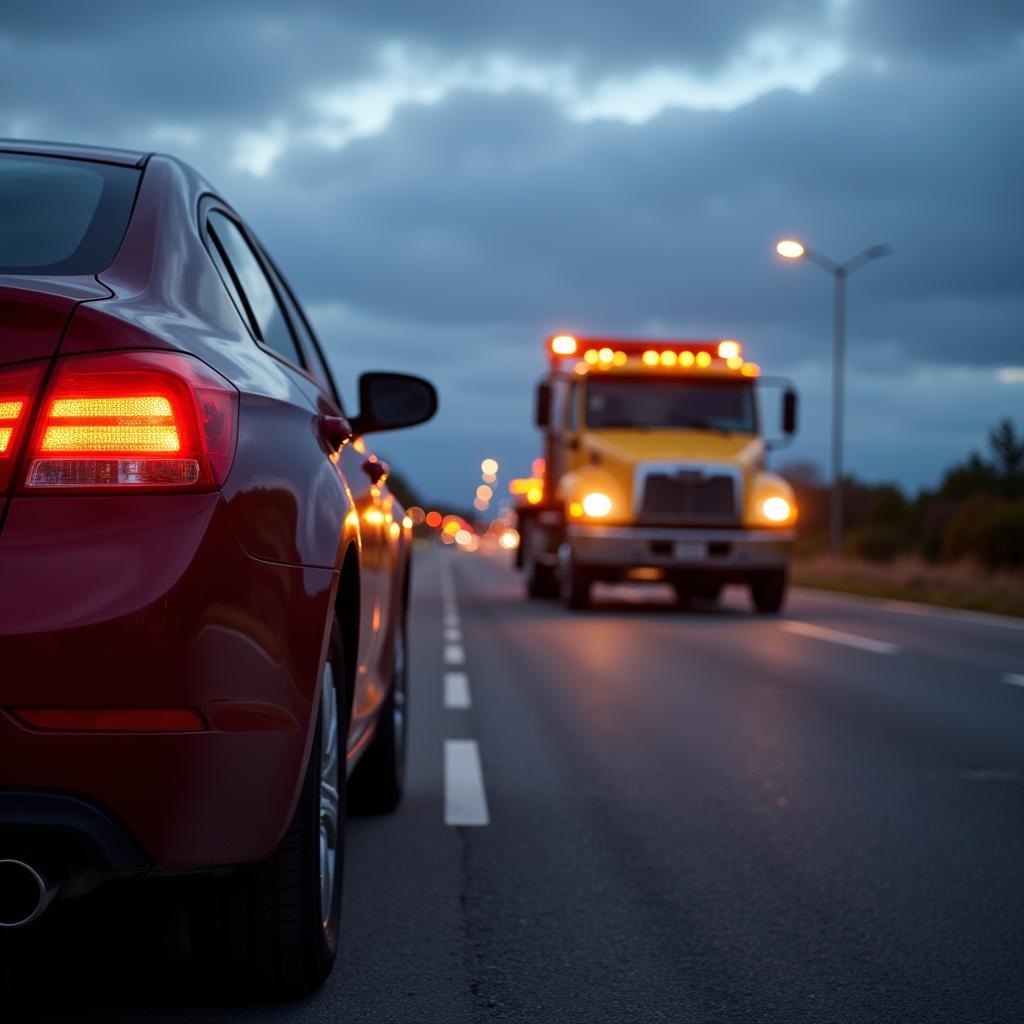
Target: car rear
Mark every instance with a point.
(158, 679)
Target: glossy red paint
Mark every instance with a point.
(219, 602)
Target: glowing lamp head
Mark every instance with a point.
(651, 358)
(776, 509)
(597, 505)
(563, 345)
(790, 248)
(728, 349)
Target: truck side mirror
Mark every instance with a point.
(789, 412)
(542, 409)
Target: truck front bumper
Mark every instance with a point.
(727, 555)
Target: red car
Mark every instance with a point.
(203, 575)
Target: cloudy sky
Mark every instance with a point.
(446, 183)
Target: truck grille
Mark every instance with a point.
(688, 497)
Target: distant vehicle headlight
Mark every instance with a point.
(777, 509)
(597, 505)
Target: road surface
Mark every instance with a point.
(643, 813)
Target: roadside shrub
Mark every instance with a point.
(878, 542)
(999, 537)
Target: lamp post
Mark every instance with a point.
(794, 250)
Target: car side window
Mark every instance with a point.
(247, 282)
(310, 347)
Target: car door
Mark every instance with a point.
(364, 475)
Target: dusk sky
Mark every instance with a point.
(447, 183)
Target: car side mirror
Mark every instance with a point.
(390, 401)
(542, 409)
(789, 412)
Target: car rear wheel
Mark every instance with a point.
(768, 591)
(272, 928)
(378, 781)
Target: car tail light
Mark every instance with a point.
(151, 420)
(17, 389)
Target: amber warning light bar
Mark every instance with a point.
(608, 353)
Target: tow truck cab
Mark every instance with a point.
(653, 469)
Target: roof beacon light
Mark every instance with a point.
(563, 345)
(728, 349)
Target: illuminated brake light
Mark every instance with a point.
(686, 358)
(704, 359)
(650, 357)
(10, 413)
(750, 370)
(137, 419)
(17, 388)
(669, 358)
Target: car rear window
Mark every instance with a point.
(62, 216)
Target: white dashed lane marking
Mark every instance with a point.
(456, 690)
(465, 802)
(1014, 678)
(454, 654)
(453, 635)
(835, 636)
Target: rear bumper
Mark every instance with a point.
(151, 602)
(730, 555)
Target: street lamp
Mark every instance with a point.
(791, 249)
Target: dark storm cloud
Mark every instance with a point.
(487, 209)
(945, 28)
(600, 34)
(470, 223)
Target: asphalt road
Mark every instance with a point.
(676, 815)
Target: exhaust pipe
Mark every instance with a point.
(25, 893)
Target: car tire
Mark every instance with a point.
(272, 929)
(768, 591)
(540, 579)
(378, 781)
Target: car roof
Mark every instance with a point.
(101, 154)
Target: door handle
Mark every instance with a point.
(376, 470)
(335, 430)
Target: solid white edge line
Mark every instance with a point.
(926, 611)
(836, 636)
(1014, 678)
(454, 654)
(465, 800)
(456, 690)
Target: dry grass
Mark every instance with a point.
(962, 585)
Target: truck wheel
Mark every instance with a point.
(540, 579)
(768, 590)
(575, 586)
(272, 928)
(378, 781)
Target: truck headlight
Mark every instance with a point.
(597, 505)
(777, 509)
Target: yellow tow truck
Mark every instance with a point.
(654, 470)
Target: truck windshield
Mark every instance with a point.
(671, 403)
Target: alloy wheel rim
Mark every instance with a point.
(398, 703)
(329, 793)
